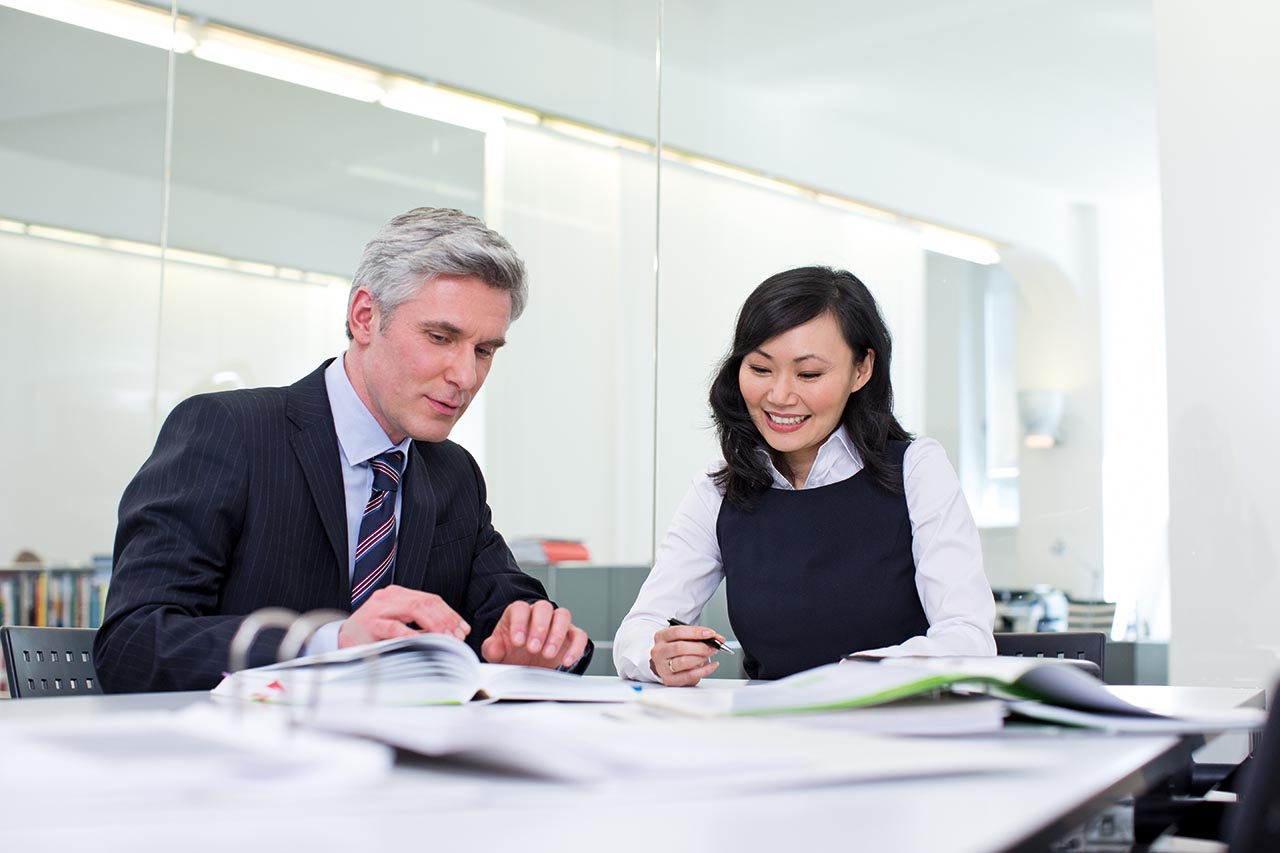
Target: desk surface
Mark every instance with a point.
(436, 805)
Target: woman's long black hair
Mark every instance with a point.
(780, 303)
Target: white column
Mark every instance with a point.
(1219, 111)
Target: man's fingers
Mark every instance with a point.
(494, 649)
(437, 617)
(557, 632)
(539, 621)
(517, 618)
(385, 629)
(577, 647)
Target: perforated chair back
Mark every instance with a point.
(1084, 647)
(49, 661)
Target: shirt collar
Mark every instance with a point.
(837, 460)
(360, 437)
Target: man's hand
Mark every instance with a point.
(397, 611)
(538, 634)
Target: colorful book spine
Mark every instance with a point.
(56, 598)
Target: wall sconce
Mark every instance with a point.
(1041, 413)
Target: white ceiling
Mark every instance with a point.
(1057, 92)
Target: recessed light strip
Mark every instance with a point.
(183, 256)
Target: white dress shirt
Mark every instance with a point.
(953, 588)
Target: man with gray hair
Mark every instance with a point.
(340, 491)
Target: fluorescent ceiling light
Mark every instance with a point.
(290, 64)
(434, 102)
(131, 247)
(857, 207)
(130, 21)
(326, 279)
(957, 244)
(594, 135)
(65, 235)
(735, 173)
(151, 250)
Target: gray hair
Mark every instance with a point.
(427, 242)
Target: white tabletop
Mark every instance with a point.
(438, 805)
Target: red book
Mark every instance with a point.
(565, 550)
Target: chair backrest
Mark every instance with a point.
(49, 661)
(1090, 615)
(1085, 647)
(1254, 824)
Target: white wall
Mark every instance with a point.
(1220, 131)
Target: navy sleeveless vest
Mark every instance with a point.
(815, 574)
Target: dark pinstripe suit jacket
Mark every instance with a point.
(241, 506)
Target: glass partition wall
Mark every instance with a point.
(187, 189)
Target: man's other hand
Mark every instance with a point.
(397, 611)
(538, 634)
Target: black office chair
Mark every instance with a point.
(1087, 648)
(1253, 826)
(1250, 825)
(49, 661)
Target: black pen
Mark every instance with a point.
(710, 641)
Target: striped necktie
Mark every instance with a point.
(376, 553)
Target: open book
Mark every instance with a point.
(1041, 688)
(424, 669)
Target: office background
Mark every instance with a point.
(1054, 201)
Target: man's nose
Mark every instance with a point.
(461, 371)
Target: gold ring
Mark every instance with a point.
(671, 665)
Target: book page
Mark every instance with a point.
(1046, 679)
(501, 681)
(421, 669)
(829, 687)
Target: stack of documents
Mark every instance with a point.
(1038, 688)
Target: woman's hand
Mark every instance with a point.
(680, 658)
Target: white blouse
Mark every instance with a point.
(953, 588)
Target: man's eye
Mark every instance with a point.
(437, 338)
(484, 352)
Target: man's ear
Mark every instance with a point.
(362, 315)
(862, 371)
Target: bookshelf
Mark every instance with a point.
(53, 596)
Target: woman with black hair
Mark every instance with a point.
(835, 533)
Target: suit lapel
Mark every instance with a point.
(418, 512)
(316, 446)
